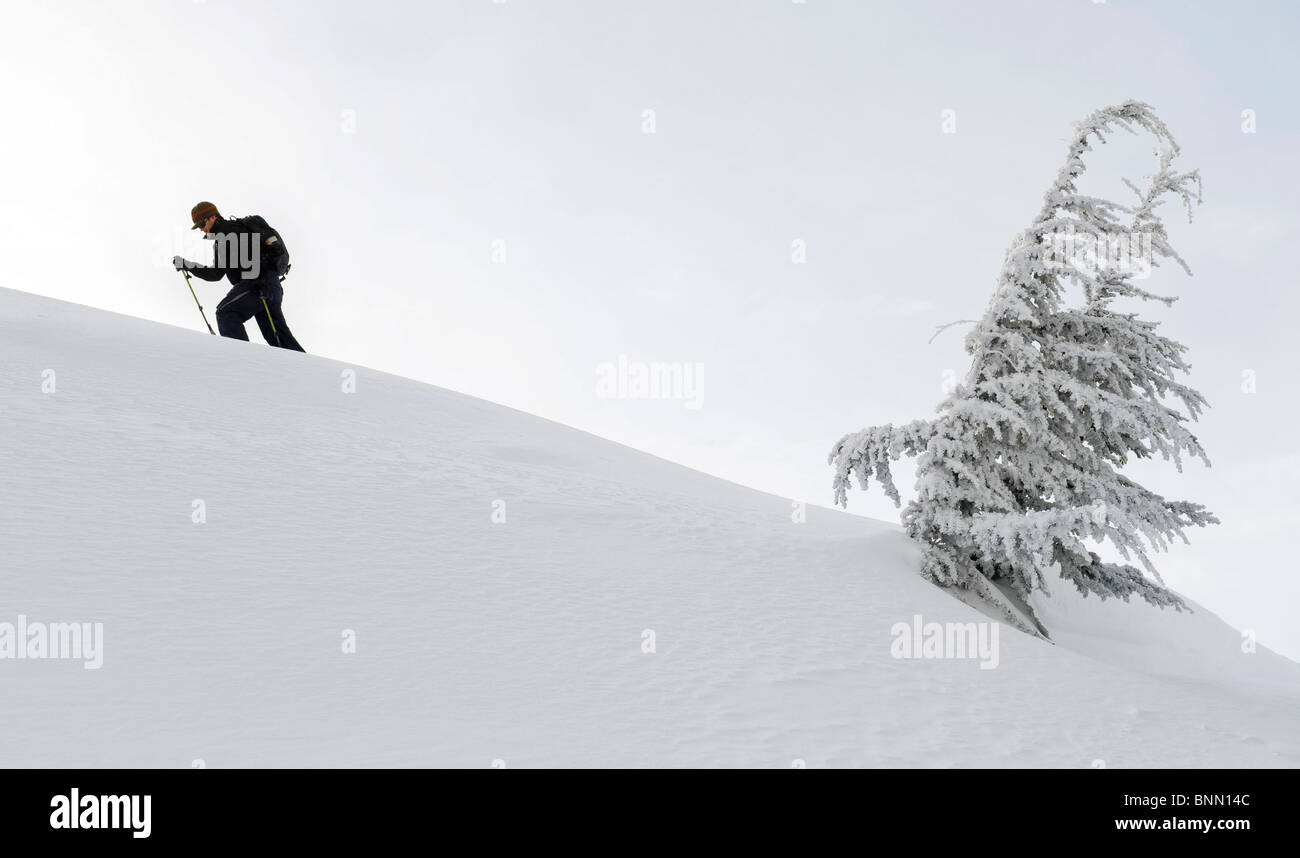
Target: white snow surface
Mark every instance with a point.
(516, 642)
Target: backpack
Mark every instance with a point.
(274, 254)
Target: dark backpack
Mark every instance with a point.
(274, 254)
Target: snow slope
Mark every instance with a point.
(518, 641)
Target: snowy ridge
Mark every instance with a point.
(519, 640)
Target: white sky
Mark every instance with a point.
(522, 123)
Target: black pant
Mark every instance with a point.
(245, 302)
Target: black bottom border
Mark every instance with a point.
(365, 806)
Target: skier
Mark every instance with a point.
(251, 255)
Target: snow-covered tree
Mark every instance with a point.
(1022, 467)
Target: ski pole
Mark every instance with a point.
(186, 274)
(270, 319)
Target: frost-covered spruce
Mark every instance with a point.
(1021, 468)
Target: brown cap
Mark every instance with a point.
(201, 213)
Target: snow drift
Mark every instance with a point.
(517, 592)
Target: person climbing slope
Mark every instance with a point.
(252, 256)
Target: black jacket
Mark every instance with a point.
(245, 250)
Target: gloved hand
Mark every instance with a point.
(180, 263)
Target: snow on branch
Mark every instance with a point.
(1020, 471)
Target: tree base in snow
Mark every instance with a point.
(1002, 604)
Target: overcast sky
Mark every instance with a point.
(505, 198)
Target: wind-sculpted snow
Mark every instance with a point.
(519, 593)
